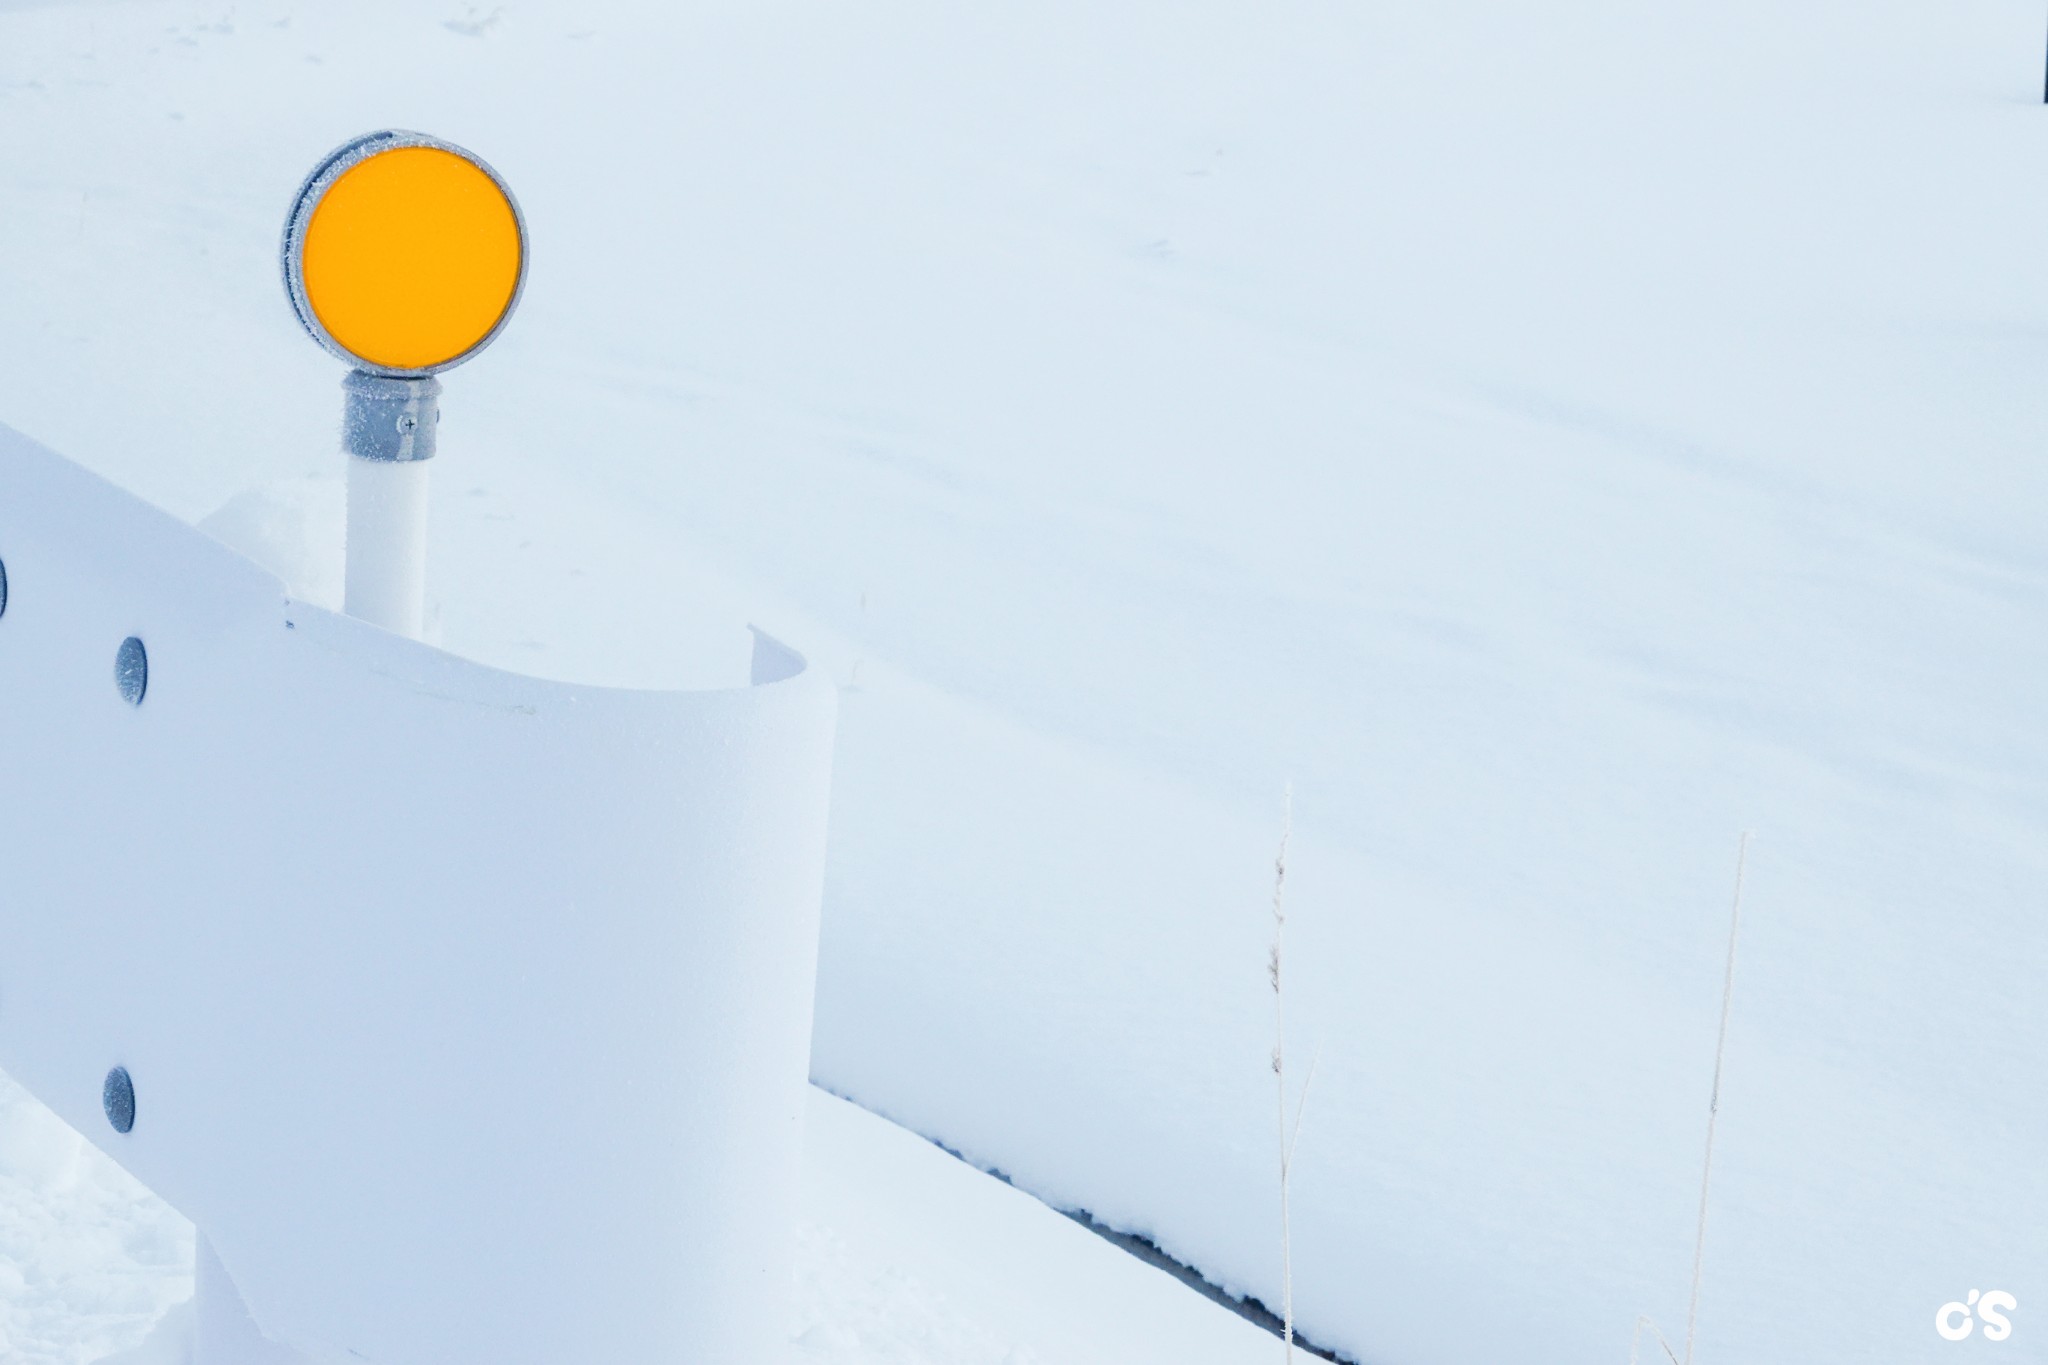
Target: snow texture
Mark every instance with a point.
(1555, 438)
(905, 1257)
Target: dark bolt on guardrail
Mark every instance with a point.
(131, 671)
(118, 1095)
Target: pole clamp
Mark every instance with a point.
(389, 418)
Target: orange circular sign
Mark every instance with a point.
(404, 255)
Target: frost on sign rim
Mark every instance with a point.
(403, 254)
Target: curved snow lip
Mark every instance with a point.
(775, 667)
(322, 890)
(126, 533)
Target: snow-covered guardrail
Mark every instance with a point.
(467, 1015)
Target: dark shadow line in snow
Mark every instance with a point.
(1148, 1251)
(1144, 1248)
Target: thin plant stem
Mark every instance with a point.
(1301, 1105)
(1275, 964)
(1699, 1245)
(1635, 1342)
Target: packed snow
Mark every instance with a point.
(905, 1256)
(1553, 439)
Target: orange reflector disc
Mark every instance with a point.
(411, 257)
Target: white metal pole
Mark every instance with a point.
(387, 544)
(388, 432)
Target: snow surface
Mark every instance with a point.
(1554, 438)
(906, 1257)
